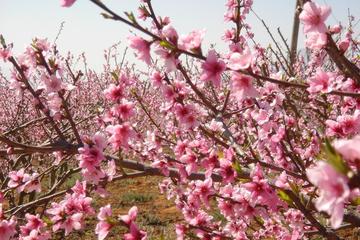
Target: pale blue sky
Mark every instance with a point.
(86, 31)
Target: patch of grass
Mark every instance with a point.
(160, 232)
(156, 219)
(70, 182)
(218, 216)
(132, 197)
(162, 236)
(126, 182)
(152, 219)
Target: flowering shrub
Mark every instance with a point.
(267, 140)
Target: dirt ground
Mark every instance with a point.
(156, 214)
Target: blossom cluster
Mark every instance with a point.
(252, 143)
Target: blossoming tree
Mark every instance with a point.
(264, 137)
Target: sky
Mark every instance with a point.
(86, 31)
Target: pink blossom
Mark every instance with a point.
(279, 135)
(180, 231)
(168, 92)
(110, 170)
(54, 105)
(103, 227)
(120, 135)
(241, 61)
(242, 86)
(200, 218)
(7, 228)
(5, 54)
(204, 190)
(93, 175)
(99, 140)
(58, 157)
(192, 41)
(129, 220)
(42, 44)
(350, 123)
(17, 179)
(36, 235)
(282, 181)
(258, 188)
(51, 84)
(334, 191)
(152, 141)
(102, 192)
(75, 222)
(215, 126)
(170, 33)
(181, 147)
(335, 29)
(212, 69)
(227, 171)
(186, 115)
(156, 78)
(333, 128)
(260, 191)
(313, 16)
(143, 13)
(131, 216)
(90, 157)
(316, 40)
(344, 125)
(135, 233)
(114, 93)
(169, 58)
(69, 214)
(344, 44)
(349, 150)
(228, 35)
(253, 120)
(67, 3)
(142, 48)
(33, 229)
(162, 166)
(32, 184)
(79, 188)
(190, 161)
(125, 110)
(321, 82)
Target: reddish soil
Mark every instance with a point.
(157, 215)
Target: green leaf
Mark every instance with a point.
(111, 220)
(167, 45)
(294, 187)
(218, 216)
(334, 159)
(47, 221)
(237, 168)
(356, 201)
(285, 197)
(131, 17)
(220, 154)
